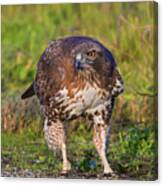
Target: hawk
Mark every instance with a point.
(76, 76)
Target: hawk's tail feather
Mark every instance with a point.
(29, 92)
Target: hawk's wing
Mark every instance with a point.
(29, 92)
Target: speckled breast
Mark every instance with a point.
(86, 101)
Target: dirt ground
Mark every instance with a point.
(72, 175)
(17, 172)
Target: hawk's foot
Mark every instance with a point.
(66, 167)
(108, 170)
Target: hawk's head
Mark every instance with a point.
(89, 54)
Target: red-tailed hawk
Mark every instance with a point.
(76, 76)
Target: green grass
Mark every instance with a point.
(129, 31)
(28, 151)
(135, 152)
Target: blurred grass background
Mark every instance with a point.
(129, 31)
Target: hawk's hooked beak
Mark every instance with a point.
(79, 62)
(78, 65)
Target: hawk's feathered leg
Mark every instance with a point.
(55, 137)
(100, 139)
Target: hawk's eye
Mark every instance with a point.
(91, 54)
